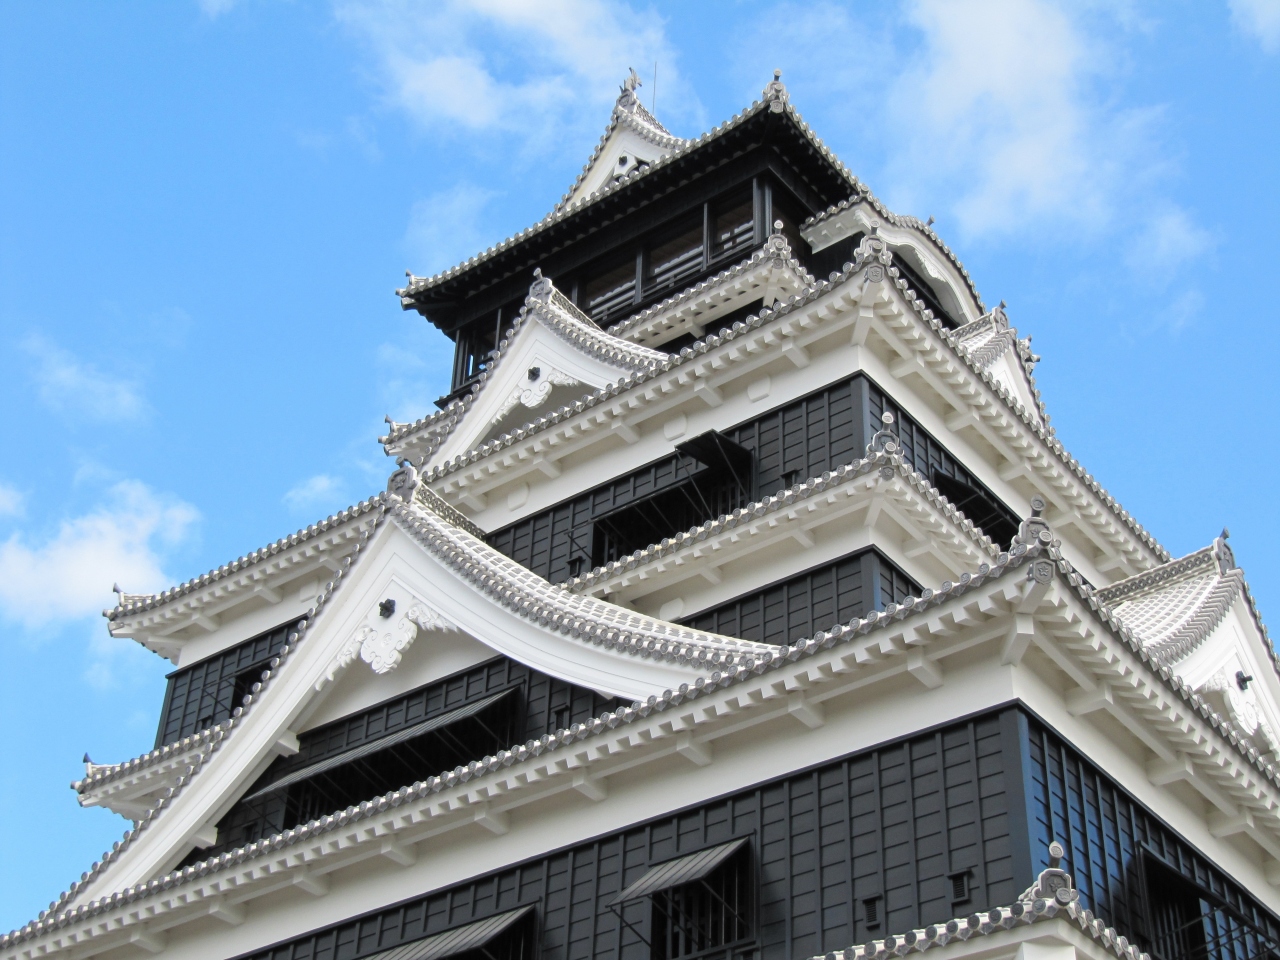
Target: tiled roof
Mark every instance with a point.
(1034, 546)
(134, 603)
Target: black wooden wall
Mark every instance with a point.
(1117, 852)
(205, 693)
(890, 825)
(544, 704)
(794, 442)
(814, 600)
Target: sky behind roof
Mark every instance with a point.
(206, 206)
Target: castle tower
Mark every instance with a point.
(738, 603)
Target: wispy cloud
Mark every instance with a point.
(68, 574)
(1259, 19)
(216, 8)
(505, 66)
(315, 493)
(448, 227)
(12, 502)
(75, 388)
(1168, 241)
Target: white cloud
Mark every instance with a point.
(318, 492)
(1168, 241)
(68, 575)
(72, 387)
(510, 66)
(1001, 115)
(11, 501)
(1260, 19)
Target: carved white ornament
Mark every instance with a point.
(1242, 708)
(383, 651)
(535, 395)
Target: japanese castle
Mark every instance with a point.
(738, 603)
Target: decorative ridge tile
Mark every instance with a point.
(134, 603)
(874, 461)
(1051, 897)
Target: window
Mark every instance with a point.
(700, 905)
(507, 936)
(718, 478)
(677, 256)
(732, 225)
(288, 795)
(476, 343)
(207, 692)
(706, 917)
(1189, 923)
(610, 292)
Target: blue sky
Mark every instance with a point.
(206, 206)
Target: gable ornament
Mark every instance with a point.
(383, 649)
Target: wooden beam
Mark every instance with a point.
(693, 750)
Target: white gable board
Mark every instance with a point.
(513, 396)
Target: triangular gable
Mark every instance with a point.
(445, 582)
(633, 139)
(552, 355)
(1194, 616)
(993, 347)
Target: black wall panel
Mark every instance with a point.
(206, 693)
(890, 823)
(1121, 857)
(814, 600)
(794, 442)
(541, 704)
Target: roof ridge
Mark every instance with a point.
(219, 733)
(629, 110)
(1042, 431)
(879, 460)
(135, 603)
(769, 101)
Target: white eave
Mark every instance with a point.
(937, 526)
(935, 355)
(847, 218)
(770, 273)
(320, 549)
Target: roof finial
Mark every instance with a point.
(775, 93)
(115, 588)
(1034, 532)
(884, 439)
(930, 222)
(1226, 534)
(627, 99)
